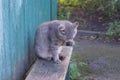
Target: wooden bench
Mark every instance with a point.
(45, 70)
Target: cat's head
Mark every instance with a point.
(67, 31)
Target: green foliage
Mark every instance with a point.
(74, 73)
(106, 7)
(63, 13)
(114, 29)
(82, 64)
(69, 2)
(76, 67)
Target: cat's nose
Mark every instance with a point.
(70, 43)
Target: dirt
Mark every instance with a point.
(103, 58)
(102, 54)
(92, 21)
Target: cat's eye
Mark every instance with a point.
(63, 32)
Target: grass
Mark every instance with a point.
(78, 69)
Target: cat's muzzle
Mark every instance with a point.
(70, 43)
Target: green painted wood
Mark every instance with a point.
(53, 5)
(1, 38)
(18, 22)
(68, 74)
(33, 18)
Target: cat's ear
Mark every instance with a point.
(61, 27)
(75, 24)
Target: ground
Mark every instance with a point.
(103, 58)
(100, 52)
(95, 21)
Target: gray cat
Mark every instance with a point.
(51, 36)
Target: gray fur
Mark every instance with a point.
(51, 36)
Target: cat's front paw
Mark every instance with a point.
(57, 61)
(61, 57)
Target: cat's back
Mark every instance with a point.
(41, 34)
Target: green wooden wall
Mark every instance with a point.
(18, 22)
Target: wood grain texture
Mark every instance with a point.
(18, 22)
(46, 70)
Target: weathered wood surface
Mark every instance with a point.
(18, 22)
(45, 70)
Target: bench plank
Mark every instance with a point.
(46, 70)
